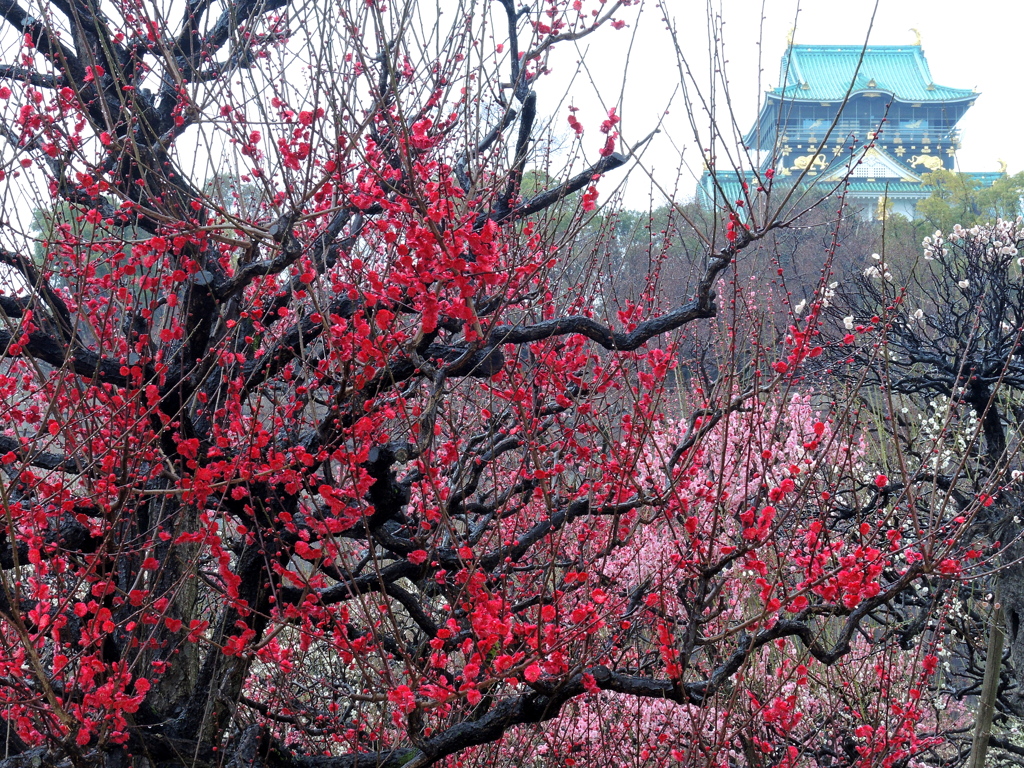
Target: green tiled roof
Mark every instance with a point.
(732, 187)
(824, 73)
(894, 188)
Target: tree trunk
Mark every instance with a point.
(987, 703)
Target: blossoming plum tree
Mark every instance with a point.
(322, 465)
(949, 365)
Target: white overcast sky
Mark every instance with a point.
(968, 44)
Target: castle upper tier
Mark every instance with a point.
(874, 115)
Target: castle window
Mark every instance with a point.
(870, 170)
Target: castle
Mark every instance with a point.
(865, 122)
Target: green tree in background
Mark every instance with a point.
(959, 198)
(76, 233)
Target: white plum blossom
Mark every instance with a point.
(964, 283)
(800, 307)
(848, 322)
(830, 293)
(875, 272)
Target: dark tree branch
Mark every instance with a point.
(30, 76)
(607, 338)
(38, 458)
(550, 197)
(83, 362)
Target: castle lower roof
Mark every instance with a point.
(730, 186)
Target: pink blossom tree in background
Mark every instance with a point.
(324, 445)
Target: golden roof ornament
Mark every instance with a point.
(917, 37)
(789, 37)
